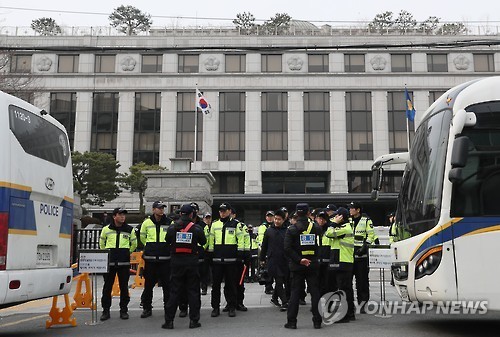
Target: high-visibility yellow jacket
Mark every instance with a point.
(226, 241)
(121, 241)
(342, 246)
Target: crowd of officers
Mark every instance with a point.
(323, 248)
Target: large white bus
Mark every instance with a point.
(448, 212)
(36, 205)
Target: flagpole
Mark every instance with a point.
(195, 121)
(407, 123)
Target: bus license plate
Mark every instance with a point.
(404, 293)
(44, 256)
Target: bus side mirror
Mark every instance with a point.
(459, 156)
(377, 179)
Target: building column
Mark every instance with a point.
(296, 130)
(83, 121)
(168, 123)
(338, 139)
(125, 136)
(211, 129)
(253, 143)
(380, 123)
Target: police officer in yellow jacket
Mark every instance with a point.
(120, 239)
(226, 248)
(302, 252)
(156, 256)
(342, 259)
(322, 219)
(183, 239)
(364, 236)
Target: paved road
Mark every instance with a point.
(262, 319)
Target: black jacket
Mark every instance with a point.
(273, 248)
(198, 237)
(293, 248)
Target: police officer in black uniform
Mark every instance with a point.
(183, 239)
(302, 252)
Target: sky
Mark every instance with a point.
(172, 13)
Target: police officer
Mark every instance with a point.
(156, 256)
(183, 300)
(254, 254)
(119, 238)
(206, 266)
(330, 208)
(184, 238)
(364, 236)
(260, 238)
(322, 219)
(302, 251)
(242, 262)
(226, 247)
(342, 259)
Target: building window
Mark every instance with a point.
(152, 63)
(105, 63)
(401, 63)
(104, 122)
(294, 182)
(437, 62)
(484, 63)
(228, 183)
(185, 127)
(20, 64)
(361, 181)
(232, 126)
(398, 136)
(359, 126)
(189, 63)
(354, 63)
(318, 63)
(147, 128)
(236, 63)
(317, 126)
(274, 126)
(63, 108)
(68, 63)
(271, 63)
(434, 95)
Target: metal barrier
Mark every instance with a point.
(85, 239)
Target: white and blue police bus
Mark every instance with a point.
(448, 211)
(36, 205)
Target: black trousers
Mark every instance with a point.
(205, 273)
(325, 284)
(228, 273)
(342, 280)
(282, 289)
(123, 273)
(360, 272)
(184, 280)
(154, 271)
(297, 284)
(240, 293)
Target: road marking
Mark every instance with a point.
(22, 321)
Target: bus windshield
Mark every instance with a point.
(477, 193)
(419, 201)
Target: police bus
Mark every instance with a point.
(36, 205)
(448, 212)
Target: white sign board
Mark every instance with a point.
(380, 257)
(93, 261)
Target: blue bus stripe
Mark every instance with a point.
(456, 230)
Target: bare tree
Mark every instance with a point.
(382, 22)
(130, 20)
(46, 27)
(16, 77)
(245, 22)
(404, 22)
